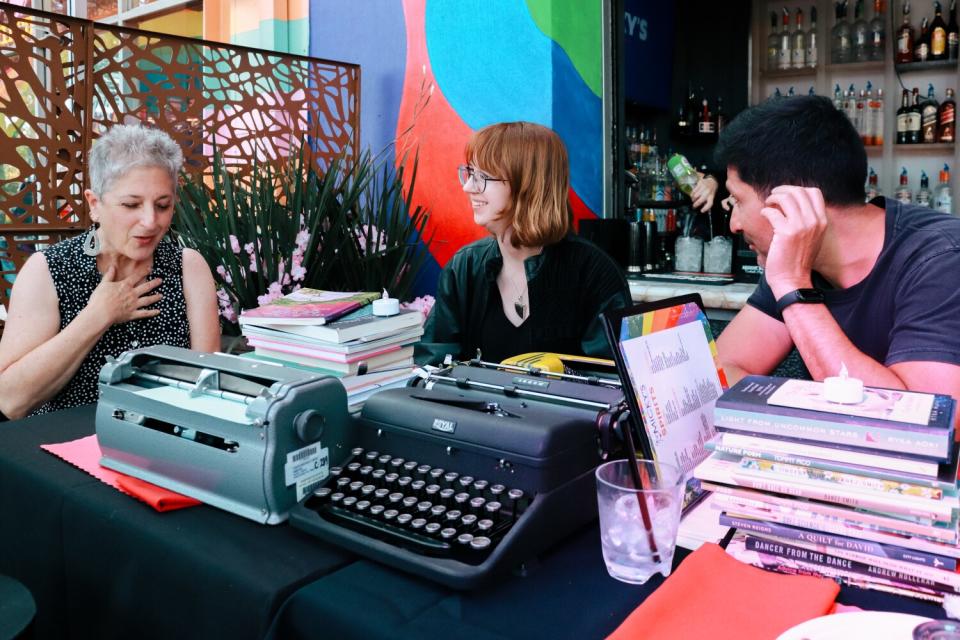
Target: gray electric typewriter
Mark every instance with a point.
(476, 469)
(245, 436)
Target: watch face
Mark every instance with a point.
(809, 295)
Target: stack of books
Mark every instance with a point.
(336, 334)
(864, 493)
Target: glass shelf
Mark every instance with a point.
(775, 74)
(857, 67)
(943, 147)
(930, 65)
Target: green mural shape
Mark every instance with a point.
(577, 27)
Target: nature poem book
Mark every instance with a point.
(308, 306)
(907, 422)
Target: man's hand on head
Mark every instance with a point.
(799, 220)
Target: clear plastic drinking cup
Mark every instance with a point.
(638, 527)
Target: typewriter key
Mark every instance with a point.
(381, 493)
(418, 523)
(385, 458)
(357, 451)
(336, 497)
(480, 485)
(342, 482)
(409, 465)
(461, 498)
(466, 481)
(372, 455)
(404, 518)
(349, 501)
(353, 467)
(335, 471)
(493, 508)
(432, 489)
(465, 538)
(423, 469)
(395, 497)
(485, 525)
(365, 470)
(453, 514)
(477, 503)
(437, 473)
(480, 543)
(446, 494)
(424, 505)
(376, 509)
(355, 485)
(448, 533)
(432, 528)
(390, 478)
(367, 489)
(497, 489)
(469, 520)
(437, 510)
(450, 477)
(378, 474)
(417, 485)
(409, 501)
(362, 505)
(404, 481)
(323, 492)
(390, 514)
(396, 463)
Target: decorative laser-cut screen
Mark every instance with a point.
(63, 81)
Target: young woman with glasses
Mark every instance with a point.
(532, 285)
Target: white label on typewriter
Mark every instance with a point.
(310, 464)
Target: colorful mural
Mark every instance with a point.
(491, 61)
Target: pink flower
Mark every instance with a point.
(248, 248)
(371, 233)
(234, 243)
(228, 314)
(253, 264)
(303, 239)
(297, 272)
(423, 304)
(224, 275)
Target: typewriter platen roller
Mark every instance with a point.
(473, 471)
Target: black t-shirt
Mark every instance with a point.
(908, 307)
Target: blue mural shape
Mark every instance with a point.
(493, 64)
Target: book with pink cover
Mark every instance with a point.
(308, 307)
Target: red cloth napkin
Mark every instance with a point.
(712, 595)
(85, 455)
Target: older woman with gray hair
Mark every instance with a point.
(119, 286)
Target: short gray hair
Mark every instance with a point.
(131, 146)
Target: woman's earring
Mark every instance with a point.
(91, 243)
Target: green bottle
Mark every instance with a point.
(683, 172)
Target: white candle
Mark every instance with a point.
(386, 306)
(843, 389)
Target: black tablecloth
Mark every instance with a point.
(103, 565)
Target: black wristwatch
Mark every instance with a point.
(804, 296)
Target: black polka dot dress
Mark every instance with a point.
(75, 276)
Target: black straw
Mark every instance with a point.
(627, 432)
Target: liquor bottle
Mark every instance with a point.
(860, 121)
(683, 126)
(903, 116)
(719, 118)
(903, 192)
(877, 33)
(773, 44)
(812, 39)
(850, 105)
(947, 119)
(953, 33)
(838, 97)
(943, 197)
(928, 117)
(840, 36)
(921, 50)
(859, 34)
(791, 92)
(915, 119)
(705, 123)
(875, 116)
(798, 55)
(783, 62)
(923, 194)
(776, 94)
(905, 37)
(938, 35)
(872, 190)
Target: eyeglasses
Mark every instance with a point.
(480, 180)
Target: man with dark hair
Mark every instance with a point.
(869, 286)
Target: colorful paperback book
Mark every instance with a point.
(404, 337)
(264, 346)
(846, 543)
(360, 326)
(717, 470)
(943, 583)
(391, 359)
(350, 382)
(920, 424)
(838, 460)
(308, 307)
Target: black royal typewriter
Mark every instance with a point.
(473, 471)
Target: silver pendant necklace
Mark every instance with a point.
(518, 304)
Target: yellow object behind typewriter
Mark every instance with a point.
(562, 363)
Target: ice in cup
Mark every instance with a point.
(718, 255)
(688, 252)
(638, 527)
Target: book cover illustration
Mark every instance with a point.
(673, 364)
(312, 304)
(880, 404)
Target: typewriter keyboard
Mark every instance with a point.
(427, 510)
